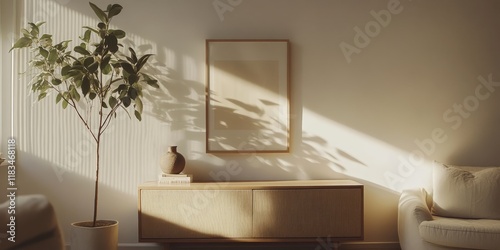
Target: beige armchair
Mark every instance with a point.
(36, 225)
(460, 212)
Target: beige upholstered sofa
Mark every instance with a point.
(462, 211)
(35, 226)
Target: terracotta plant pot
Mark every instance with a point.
(102, 237)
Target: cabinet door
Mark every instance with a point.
(335, 213)
(195, 214)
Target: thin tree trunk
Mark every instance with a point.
(96, 190)
(98, 144)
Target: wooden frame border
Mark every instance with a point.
(233, 124)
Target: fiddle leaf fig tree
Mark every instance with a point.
(95, 79)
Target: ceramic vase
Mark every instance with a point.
(172, 162)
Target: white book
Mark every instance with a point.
(174, 179)
(173, 175)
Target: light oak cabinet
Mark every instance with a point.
(270, 211)
(178, 214)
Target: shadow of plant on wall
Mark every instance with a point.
(257, 131)
(178, 101)
(308, 152)
(180, 104)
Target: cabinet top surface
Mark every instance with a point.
(255, 184)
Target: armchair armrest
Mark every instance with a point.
(35, 220)
(412, 210)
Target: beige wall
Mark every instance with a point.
(379, 89)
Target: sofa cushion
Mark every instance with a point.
(462, 233)
(464, 194)
(36, 225)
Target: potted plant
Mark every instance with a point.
(96, 81)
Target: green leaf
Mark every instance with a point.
(101, 26)
(88, 61)
(62, 45)
(118, 33)
(90, 64)
(41, 96)
(58, 98)
(64, 104)
(43, 52)
(111, 42)
(91, 29)
(127, 67)
(92, 95)
(132, 93)
(98, 49)
(26, 33)
(46, 40)
(93, 67)
(77, 81)
(38, 24)
(81, 50)
(104, 105)
(65, 70)
(22, 42)
(138, 105)
(34, 29)
(133, 56)
(52, 56)
(99, 13)
(74, 94)
(107, 69)
(46, 36)
(114, 10)
(138, 115)
(126, 101)
(85, 85)
(38, 63)
(142, 61)
(120, 88)
(86, 36)
(112, 101)
(56, 81)
(75, 73)
(105, 61)
(133, 78)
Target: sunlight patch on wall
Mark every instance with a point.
(362, 156)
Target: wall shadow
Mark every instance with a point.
(180, 104)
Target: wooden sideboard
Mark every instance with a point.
(263, 211)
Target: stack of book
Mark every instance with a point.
(174, 178)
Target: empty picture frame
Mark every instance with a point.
(247, 102)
